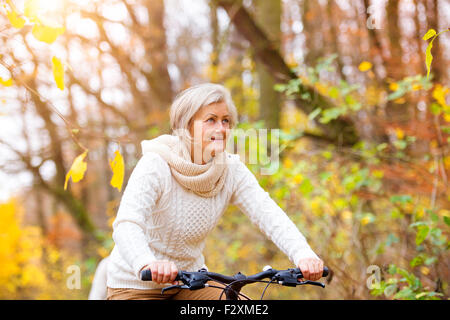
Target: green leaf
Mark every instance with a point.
(417, 261)
(401, 198)
(279, 87)
(314, 113)
(324, 176)
(392, 269)
(430, 33)
(330, 114)
(306, 187)
(405, 293)
(327, 155)
(422, 233)
(447, 220)
(418, 223)
(435, 108)
(390, 290)
(391, 239)
(430, 260)
(333, 92)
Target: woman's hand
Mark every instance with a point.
(311, 268)
(163, 271)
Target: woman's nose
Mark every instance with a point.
(220, 126)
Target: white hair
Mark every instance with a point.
(190, 100)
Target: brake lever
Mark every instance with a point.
(174, 287)
(313, 283)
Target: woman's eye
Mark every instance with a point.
(226, 120)
(210, 119)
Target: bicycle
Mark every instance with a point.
(233, 284)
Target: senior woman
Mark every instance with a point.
(177, 193)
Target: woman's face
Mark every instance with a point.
(209, 127)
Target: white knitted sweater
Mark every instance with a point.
(158, 219)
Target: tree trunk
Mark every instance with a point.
(341, 131)
(396, 113)
(268, 18)
(157, 48)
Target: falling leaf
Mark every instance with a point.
(430, 33)
(45, 33)
(118, 168)
(16, 21)
(58, 72)
(429, 57)
(77, 170)
(365, 66)
(6, 83)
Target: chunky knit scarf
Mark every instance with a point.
(204, 180)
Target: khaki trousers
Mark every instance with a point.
(207, 293)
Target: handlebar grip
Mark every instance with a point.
(146, 275)
(325, 272)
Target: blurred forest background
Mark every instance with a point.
(365, 133)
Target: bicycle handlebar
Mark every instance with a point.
(146, 275)
(199, 279)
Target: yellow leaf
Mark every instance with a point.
(365, 66)
(394, 86)
(439, 93)
(346, 215)
(400, 134)
(400, 101)
(416, 87)
(434, 143)
(447, 162)
(58, 72)
(447, 117)
(6, 83)
(425, 270)
(16, 21)
(298, 178)
(365, 220)
(77, 170)
(428, 57)
(118, 168)
(46, 33)
(430, 33)
(288, 163)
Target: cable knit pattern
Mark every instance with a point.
(159, 219)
